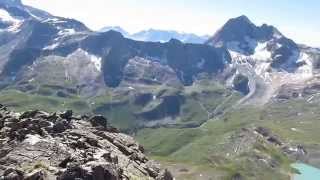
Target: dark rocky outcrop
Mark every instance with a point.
(167, 105)
(40, 145)
(241, 84)
(143, 98)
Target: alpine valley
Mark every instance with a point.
(244, 104)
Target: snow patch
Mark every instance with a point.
(200, 63)
(261, 52)
(51, 47)
(260, 64)
(234, 46)
(277, 35)
(31, 80)
(262, 70)
(6, 17)
(310, 99)
(293, 149)
(306, 70)
(278, 45)
(15, 27)
(66, 32)
(238, 47)
(54, 20)
(96, 61)
(32, 15)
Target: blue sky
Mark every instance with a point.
(297, 19)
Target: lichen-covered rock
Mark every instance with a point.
(40, 145)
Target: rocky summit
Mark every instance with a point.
(38, 145)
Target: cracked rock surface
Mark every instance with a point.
(39, 145)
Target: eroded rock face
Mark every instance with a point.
(39, 145)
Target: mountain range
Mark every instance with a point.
(242, 104)
(155, 35)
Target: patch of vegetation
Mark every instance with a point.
(21, 101)
(165, 141)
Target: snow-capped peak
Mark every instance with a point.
(241, 35)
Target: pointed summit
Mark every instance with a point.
(241, 35)
(263, 42)
(240, 25)
(242, 18)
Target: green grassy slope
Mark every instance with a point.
(208, 150)
(198, 102)
(295, 122)
(211, 147)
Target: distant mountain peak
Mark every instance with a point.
(241, 35)
(113, 34)
(115, 28)
(241, 18)
(242, 22)
(156, 35)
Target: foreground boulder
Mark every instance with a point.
(38, 145)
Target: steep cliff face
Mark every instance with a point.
(39, 145)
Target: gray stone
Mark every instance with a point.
(64, 148)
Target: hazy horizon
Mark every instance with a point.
(203, 17)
